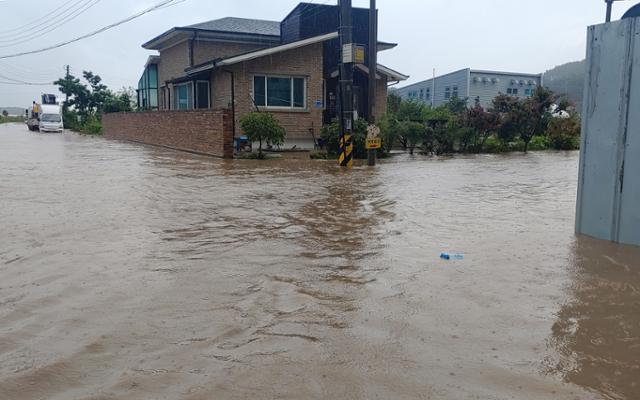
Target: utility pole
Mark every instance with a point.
(373, 71)
(66, 77)
(609, 8)
(346, 83)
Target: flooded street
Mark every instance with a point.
(133, 272)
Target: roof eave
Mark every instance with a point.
(157, 42)
(259, 53)
(397, 76)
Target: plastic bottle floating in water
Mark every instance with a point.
(447, 256)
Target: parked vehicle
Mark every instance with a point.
(51, 119)
(47, 116)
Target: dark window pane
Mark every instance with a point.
(153, 98)
(182, 97)
(278, 92)
(153, 76)
(259, 90)
(298, 92)
(203, 95)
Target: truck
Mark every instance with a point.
(47, 116)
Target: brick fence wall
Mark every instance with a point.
(201, 131)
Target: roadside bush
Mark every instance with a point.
(493, 145)
(539, 143)
(331, 136)
(414, 132)
(564, 133)
(390, 132)
(92, 126)
(262, 127)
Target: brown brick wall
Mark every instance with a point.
(207, 51)
(304, 62)
(381, 98)
(173, 61)
(202, 131)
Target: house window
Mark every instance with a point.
(514, 91)
(528, 92)
(202, 94)
(447, 92)
(428, 94)
(182, 96)
(279, 92)
(421, 94)
(455, 91)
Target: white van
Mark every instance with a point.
(50, 118)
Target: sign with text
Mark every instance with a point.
(373, 143)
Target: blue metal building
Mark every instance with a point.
(472, 84)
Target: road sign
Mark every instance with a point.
(373, 143)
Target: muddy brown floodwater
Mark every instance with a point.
(132, 272)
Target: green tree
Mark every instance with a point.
(389, 131)
(456, 105)
(5, 113)
(414, 133)
(526, 118)
(262, 127)
(99, 92)
(411, 110)
(483, 124)
(505, 108)
(393, 103)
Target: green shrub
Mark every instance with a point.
(92, 126)
(331, 136)
(564, 133)
(262, 127)
(539, 143)
(494, 145)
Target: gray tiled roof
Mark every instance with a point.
(240, 25)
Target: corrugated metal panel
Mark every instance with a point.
(606, 208)
(630, 203)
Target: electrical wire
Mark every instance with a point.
(43, 31)
(51, 19)
(36, 21)
(94, 33)
(20, 72)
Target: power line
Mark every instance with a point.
(88, 35)
(27, 83)
(19, 71)
(51, 19)
(35, 21)
(34, 35)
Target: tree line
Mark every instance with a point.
(88, 98)
(542, 121)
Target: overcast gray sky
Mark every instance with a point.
(512, 35)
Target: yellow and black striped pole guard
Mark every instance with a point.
(346, 151)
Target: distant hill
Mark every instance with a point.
(17, 111)
(567, 79)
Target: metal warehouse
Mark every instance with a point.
(472, 84)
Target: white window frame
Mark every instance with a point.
(190, 99)
(195, 105)
(266, 105)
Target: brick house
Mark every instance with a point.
(288, 68)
